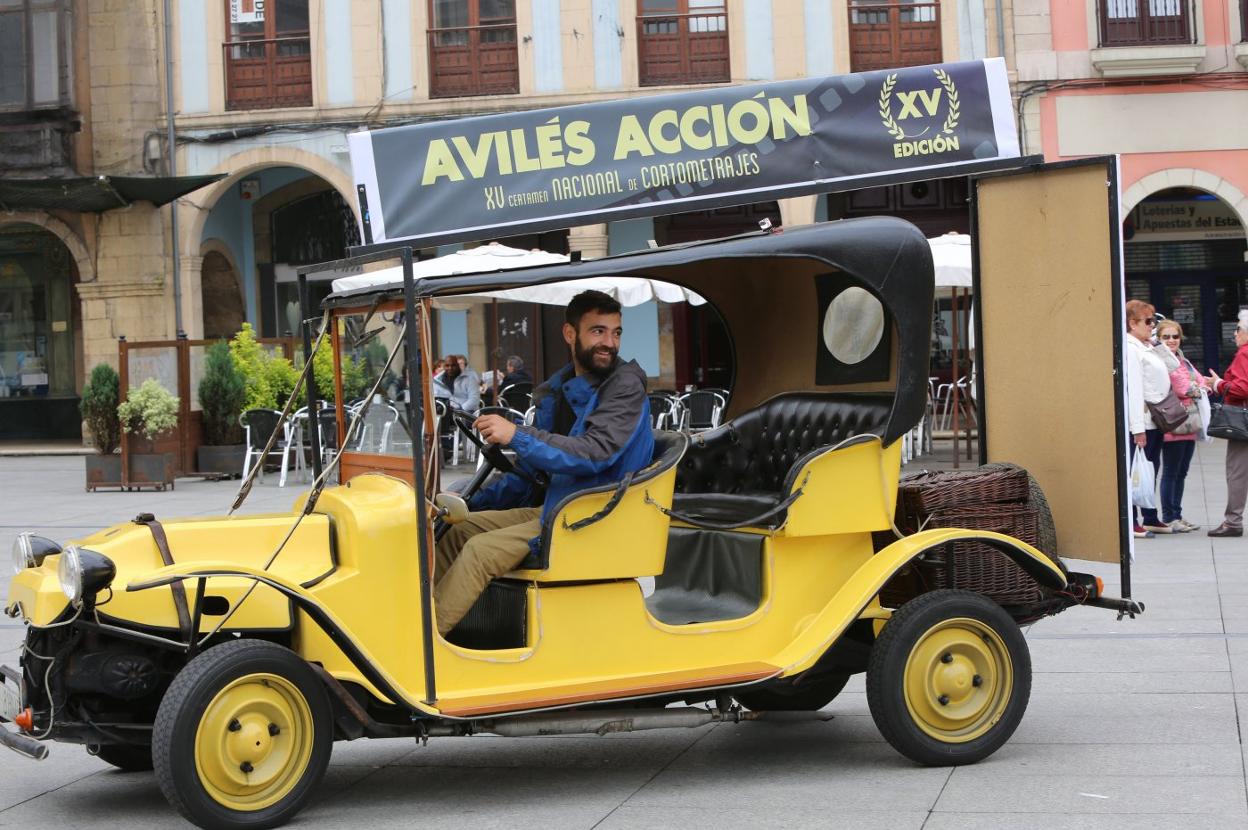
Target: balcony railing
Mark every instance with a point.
(888, 35)
(473, 60)
(683, 48)
(264, 74)
(1145, 22)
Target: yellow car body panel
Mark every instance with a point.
(247, 540)
(861, 589)
(846, 490)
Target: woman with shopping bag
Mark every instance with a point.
(1179, 444)
(1233, 387)
(1148, 383)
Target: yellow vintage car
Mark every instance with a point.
(743, 567)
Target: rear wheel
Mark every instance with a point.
(794, 697)
(126, 757)
(243, 736)
(949, 678)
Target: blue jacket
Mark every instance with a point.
(610, 437)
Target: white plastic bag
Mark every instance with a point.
(1202, 406)
(1143, 485)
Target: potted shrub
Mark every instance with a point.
(222, 394)
(150, 414)
(99, 412)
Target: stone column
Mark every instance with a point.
(590, 240)
(191, 269)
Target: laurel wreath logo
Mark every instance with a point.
(886, 108)
(951, 94)
(886, 105)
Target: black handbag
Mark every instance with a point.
(1168, 413)
(1229, 422)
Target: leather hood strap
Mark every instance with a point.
(166, 556)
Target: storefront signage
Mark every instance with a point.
(709, 148)
(247, 11)
(1184, 221)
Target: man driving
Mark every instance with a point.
(592, 427)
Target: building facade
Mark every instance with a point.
(1161, 82)
(264, 93)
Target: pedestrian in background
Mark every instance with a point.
(1179, 445)
(1148, 381)
(1233, 387)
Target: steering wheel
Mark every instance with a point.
(493, 453)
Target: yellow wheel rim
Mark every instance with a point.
(254, 742)
(958, 680)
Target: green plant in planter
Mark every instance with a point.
(353, 380)
(99, 408)
(222, 395)
(249, 359)
(281, 376)
(149, 410)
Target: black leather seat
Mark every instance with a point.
(747, 466)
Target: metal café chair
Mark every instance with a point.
(664, 412)
(701, 410)
(516, 396)
(258, 425)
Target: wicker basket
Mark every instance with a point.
(928, 492)
(1002, 498)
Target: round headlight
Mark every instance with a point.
(70, 573)
(23, 553)
(84, 573)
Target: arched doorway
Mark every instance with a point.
(37, 324)
(1184, 253)
(224, 311)
(271, 221)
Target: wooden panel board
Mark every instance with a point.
(1048, 300)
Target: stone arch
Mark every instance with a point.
(1186, 177)
(68, 236)
(224, 307)
(249, 161)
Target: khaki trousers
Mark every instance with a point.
(1236, 482)
(484, 546)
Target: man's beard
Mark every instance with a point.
(585, 358)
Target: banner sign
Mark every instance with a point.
(1180, 221)
(247, 11)
(560, 167)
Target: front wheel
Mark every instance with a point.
(949, 678)
(243, 736)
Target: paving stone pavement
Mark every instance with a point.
(1131, 723)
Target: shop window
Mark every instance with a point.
(885, 35)
(34, 54)
(472, 48)
(268, 57)
(1145, 22)
(36, 335)
(682, 42)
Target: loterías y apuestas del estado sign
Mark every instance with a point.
(565, 166)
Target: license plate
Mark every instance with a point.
(10, 701)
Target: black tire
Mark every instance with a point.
(943, 716)
(126, 757)
(231, 690)
(789, 697)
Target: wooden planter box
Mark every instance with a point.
(224, 460)
(145, 470)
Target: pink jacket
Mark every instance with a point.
(1181, 383)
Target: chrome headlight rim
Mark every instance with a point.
(23, 556)
(69, 572)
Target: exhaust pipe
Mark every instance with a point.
(605, 723)
(23, 744)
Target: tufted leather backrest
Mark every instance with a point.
(756, 451)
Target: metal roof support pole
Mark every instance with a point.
(314, 398)
(172, 153)
(415, 417)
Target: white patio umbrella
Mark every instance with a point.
(951, 256)
(630, 291)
